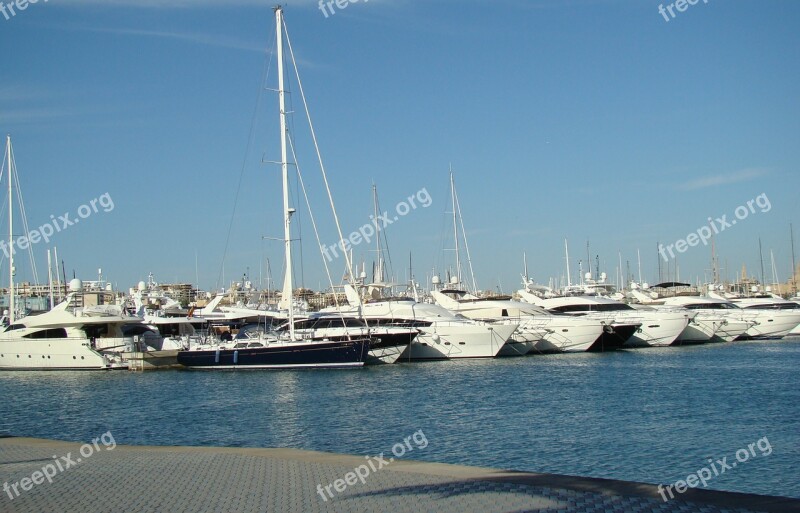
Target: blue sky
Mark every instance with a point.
(581, 119)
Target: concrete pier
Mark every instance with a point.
(87, 479)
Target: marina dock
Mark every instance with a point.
(198, 479)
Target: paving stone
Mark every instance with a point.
(199, 479)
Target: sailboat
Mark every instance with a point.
(291, 348)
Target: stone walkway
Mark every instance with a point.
(135, 479)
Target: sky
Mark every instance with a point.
(594, 121)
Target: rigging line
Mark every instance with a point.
(25, 227)
(466, 244)
(385, 248)
(314, 225)
(264, 76)
(290, 132)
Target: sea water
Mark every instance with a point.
(652, 415)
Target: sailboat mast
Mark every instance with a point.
(761, 257)
(794, 264)
(639, 258)
(566, 253)
(11, 292)
(455, 225)
(525, 266)
(287, 210)
(50, 277)
(378, 251)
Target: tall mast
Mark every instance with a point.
(714, 270)
(566, 251)
(660, 275)
(639, 258)
(287, 210)
(761, 257)
(50, 277)
(58, 274)
(378, 251)
(588, 259)
(794, 265)
(455, 225)
(11, 292)
(525, 265)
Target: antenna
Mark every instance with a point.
(566, 251)
(761, 256)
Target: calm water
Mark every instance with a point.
(653, 415)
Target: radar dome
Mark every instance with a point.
(75, 285)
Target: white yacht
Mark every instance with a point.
(722, 318)
(655, 327)
(442, 334)
(81, 333)
(774, 316)
(545, 331)
(703, 327)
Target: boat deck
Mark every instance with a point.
(198, 479)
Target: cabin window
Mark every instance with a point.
(504, 313)
(49, 333)
(15, 327)
(96, 330)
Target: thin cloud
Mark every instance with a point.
(165, 4)
(204, 39)
(723, 179)
(23, 116)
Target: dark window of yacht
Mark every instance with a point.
(504, 313)
(50, 333)
(15, 327)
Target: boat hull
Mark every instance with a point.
(54, 354)
(455, 340)
(772, 324)
(388, 347)
(614, 337)
(282, 355)
(569, 335)
(732, 329)
(699, 331)
(659, 330)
